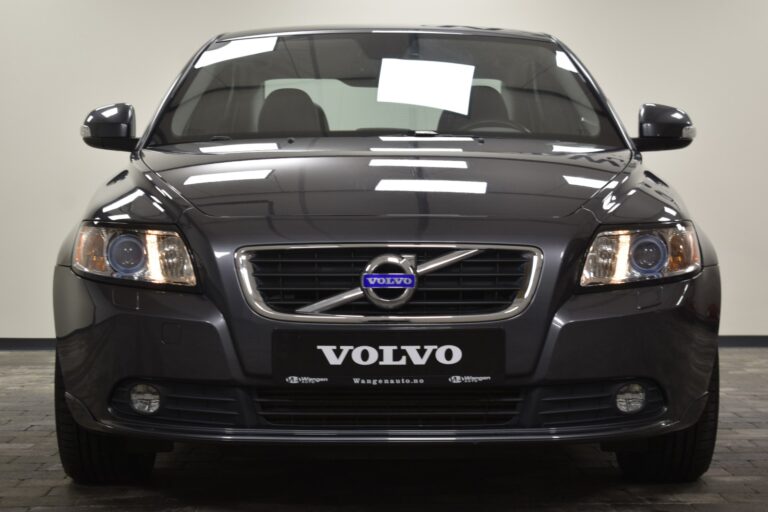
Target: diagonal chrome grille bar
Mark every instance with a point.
(445, 261)
(333, 301)
(353, 294)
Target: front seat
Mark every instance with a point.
(290, 112)
(485, 104)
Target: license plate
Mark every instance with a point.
(388, 358)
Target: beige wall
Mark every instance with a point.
(59, 59)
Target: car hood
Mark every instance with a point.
(527, 180)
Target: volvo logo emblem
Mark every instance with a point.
(389, 280)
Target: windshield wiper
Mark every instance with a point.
(431, 134)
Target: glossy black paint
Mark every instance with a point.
(322, 190)
(662, 127)
(111, 127)
(336, 177)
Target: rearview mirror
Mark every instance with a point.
(663, 127)
(110, 127)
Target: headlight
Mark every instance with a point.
(146, 255)
(631, 255)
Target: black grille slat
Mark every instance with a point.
(309, 274)
(373, 401)
(399, 414)
(209, 398)
(329, 288)
(569, 410)
(567, 398)
(374, 409)
(193, 410)
(289, 279)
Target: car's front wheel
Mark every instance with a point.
(681, 456)
(94, 458)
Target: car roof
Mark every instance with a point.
(442, 29)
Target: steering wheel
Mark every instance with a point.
(490, 123)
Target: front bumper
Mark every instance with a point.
(400, 436)
(665, 334)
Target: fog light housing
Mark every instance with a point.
(630, 398)
(144, 399)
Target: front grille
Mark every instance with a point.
(407, 409)
(585, 404)
(487, 283)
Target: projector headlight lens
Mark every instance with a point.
(127, 254)
(146, 255)
(633, 255)
(648, 254)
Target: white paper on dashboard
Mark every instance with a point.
(427, 83)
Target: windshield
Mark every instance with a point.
(362, 84)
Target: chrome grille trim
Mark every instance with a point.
(249, 288)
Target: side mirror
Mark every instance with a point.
(110, 127)
(663, 127)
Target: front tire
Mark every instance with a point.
(681, 456)
(94, 458)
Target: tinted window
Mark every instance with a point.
(382, 83)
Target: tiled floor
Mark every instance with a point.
(541, 478)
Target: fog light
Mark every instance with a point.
(145, 399)
(630, 398)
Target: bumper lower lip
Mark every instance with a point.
(283, 436)
(403, 437)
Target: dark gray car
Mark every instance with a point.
(432, 236)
